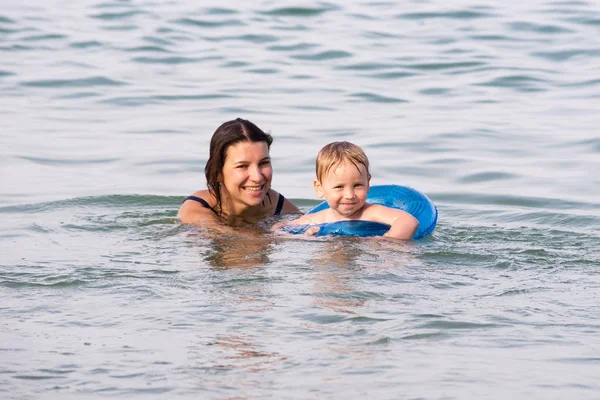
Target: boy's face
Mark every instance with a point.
(345, 188)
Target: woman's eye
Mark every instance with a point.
(242, 166)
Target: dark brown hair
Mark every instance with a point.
(229, 133)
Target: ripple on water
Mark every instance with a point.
(299, 11)
(140, 101)
(486, 177)
(146, 49)
(566, 55)
(322, 56)
(173, 60)
(198, 23)
(465, 14)
(62, 161)
(523, 83)
(6, 20)
(112, 16)
(538, 28)
(251, 38)
(375, 98)
(293, 47)
(73, 83)
(45, 37)
(105, 202)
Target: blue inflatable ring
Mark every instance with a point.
(394, 196)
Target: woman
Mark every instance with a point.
(238, 176)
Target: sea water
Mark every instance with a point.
(490, 108)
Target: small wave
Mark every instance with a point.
(486, 177)
(447, 15)
(166, 60)
(453, 325)
(144, 100)
(298, 11)
(80, 95)
(220, 11)
(39, 38)
(146, 49)
(538, 28)
(565, 55)
(376, 98)
(111, 16)
(293, 47)
(49, 161)
(252, 38)
(70, 83)
(120, 28)
(392, 75)
(323, 56)
(86, 44)
(208, 24)
(524, 83)
(439, 66)
(19, 47)
(60, 284)
(585, 20)
(518, 201)
(235, 64)
(371, 66)
(6, 20)
(108, 201)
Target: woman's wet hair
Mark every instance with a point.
(228, 134)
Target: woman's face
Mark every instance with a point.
(247, 173)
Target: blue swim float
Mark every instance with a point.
(403, 198)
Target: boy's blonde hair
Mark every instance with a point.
(335, 153)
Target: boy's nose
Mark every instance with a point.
(349, 193)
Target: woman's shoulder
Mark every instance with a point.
(279, 201)
(195, 206)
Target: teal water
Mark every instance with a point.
(491, 109)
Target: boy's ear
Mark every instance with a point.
(318, 188)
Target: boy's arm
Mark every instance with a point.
(402, 225)
(307, 219)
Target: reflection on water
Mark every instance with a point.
(244, 352)
(238, 252)
(334, 266)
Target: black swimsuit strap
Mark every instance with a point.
(279, 204)
(206, 205)
(201, 201)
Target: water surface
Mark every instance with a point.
(106, 112)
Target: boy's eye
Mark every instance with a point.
(265, 163)
(358, 185)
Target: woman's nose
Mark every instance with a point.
(255, 173)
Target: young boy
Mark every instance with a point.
(343, 179)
